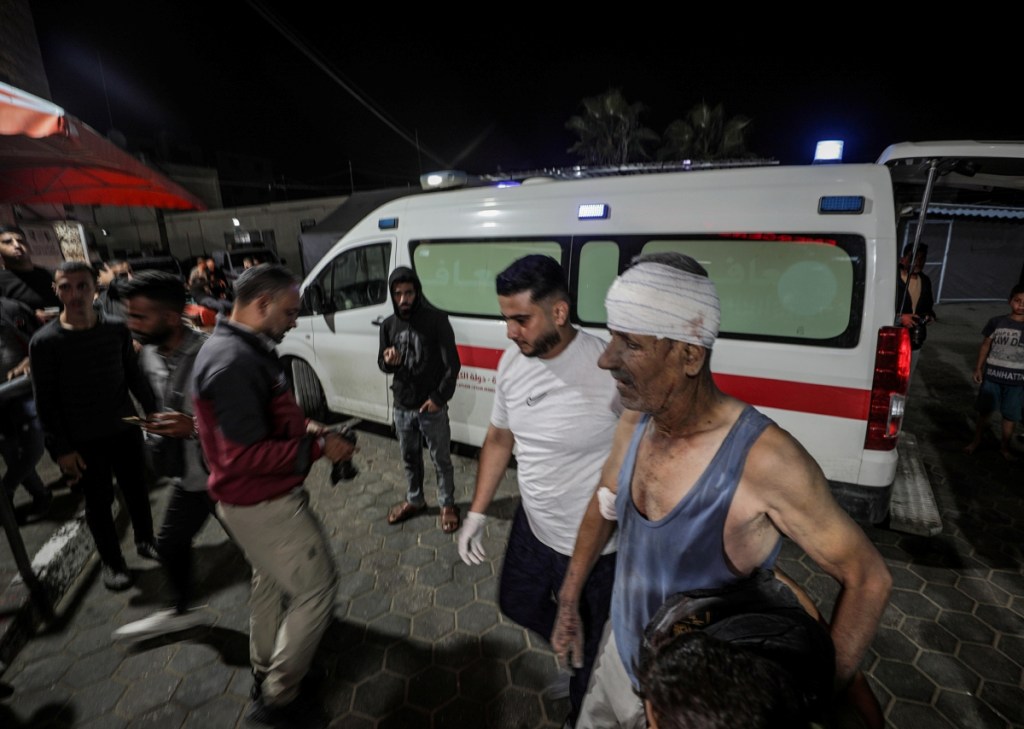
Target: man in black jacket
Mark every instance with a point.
(417, 346)
(83, 369)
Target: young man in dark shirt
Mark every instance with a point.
(83, 369)
(22, 280)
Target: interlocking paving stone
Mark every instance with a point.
(949, 653)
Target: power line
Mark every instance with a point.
(335, 76)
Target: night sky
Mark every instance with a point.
(493, 90)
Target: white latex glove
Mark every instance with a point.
(606, 502)
(471, 547)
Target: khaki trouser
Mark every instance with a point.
(610, 700)
(291, 565)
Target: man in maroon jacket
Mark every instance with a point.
(259, 448)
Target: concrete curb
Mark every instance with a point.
(912, 508)
(59, 564)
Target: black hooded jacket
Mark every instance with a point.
(429, 366)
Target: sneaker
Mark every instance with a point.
(299, 714)
(160, 623)
(147, 550)
(116, 578)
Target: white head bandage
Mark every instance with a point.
(664, 301)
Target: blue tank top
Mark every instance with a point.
(684, 550)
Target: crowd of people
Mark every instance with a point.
(653, 505)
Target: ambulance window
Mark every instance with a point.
(458, 277)
(360, 277)
(777, 289)
(599, 263)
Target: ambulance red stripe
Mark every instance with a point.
(840, 402)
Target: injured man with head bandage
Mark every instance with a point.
(701, 487)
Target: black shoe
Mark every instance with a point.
(147, 550)
(299, 714)
(117, 578)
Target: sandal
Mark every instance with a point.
(450, 519)
(400, 512)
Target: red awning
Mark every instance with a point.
(78, 166)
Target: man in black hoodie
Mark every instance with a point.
(417, 346)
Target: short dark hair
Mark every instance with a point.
(69, 267)
(696, 680)
(922, 249)
(162, 287)
(541, 275)
(671, 258)
(13, 229)
(266, 279)
(1018, 289)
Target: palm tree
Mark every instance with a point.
(705, 134)
(609, 130)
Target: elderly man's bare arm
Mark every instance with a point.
(792, 490)
(593, 535)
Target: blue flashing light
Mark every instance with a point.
(387, 224)
(593, 211)
(841, 204)
(828, 150)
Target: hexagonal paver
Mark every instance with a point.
(890, 643)
(368, 606)
(929, 635)
(433, 623)
(202, 685)
(504, 641)
(388, 629)
(361, 664)
(152, 690)
(476, 618)
(913, 716)
(948, 598)
(967, 627)
(379, 695)
(969, 712)
(416, 556)
(457, 650)
(453, 595)
(989, 663)
(1007, 701)
(904, 681)
(983, 591)
(97, 668)
(413, 600)
(221, 711)
(433, 688)
(434, 574)
(407, 658)
(948, 672)
(461, 713)
(533, 670)
(483, 679)
(514, 708)
(913, 604)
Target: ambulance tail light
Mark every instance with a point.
(889, 389)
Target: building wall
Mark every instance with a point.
(21, 61)
(191, 234)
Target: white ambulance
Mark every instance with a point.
(804, 259)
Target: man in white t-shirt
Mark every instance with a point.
(559, 410)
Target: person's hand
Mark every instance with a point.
(170, 425)
(978, 376)
(392, 357)
(471, 547)
(430, 407)
(908, 320)
(567, 636)
(71, 465)
(44, 315)
(22, 368)
(337, 448)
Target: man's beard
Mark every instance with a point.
(157, 337)
(545, 344)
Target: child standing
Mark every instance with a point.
(1000, 372)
